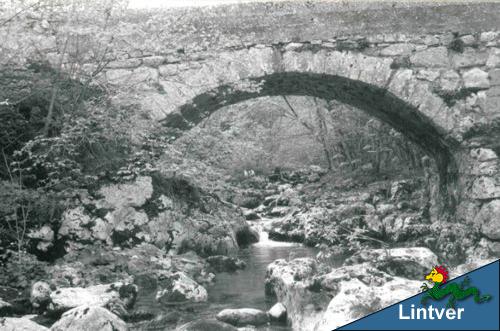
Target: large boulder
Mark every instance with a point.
(99, 295)
(293, 283)
(281, 273)
(356, 299)
(19, 324)
(207, 325)
(181, 288)
(358, 290)
(119, 223)
(85, 318)
(243, 316)
(311, 292)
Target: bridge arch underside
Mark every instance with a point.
(374, 100)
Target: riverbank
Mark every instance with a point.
(160, 260)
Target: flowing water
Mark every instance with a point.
(246, 287)
(242, 289)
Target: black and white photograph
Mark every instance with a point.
(238, 165)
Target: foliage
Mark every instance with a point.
(22, 210)
(294, 132)
(59, 133)
(20, 272)
(92, 142)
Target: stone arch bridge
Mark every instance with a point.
(432, 71)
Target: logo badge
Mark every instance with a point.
(455, 292)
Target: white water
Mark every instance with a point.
(262, 227)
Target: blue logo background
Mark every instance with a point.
(482, 316)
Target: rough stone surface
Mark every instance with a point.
(243, 316)
(181, 288)
(128, 195)
(87, 317)
(290, 281)
(67, 298)
(129, 214)
(449, 80)
(488, 219)
(40, 294)
(469, 58)
(484, 154)
(19, 324)
(495, 77)
(431, 57)
(397, 49)
(277, 312)
(476, 78)
(405, 262)
(486, 188)
(468, 267)
(493, 58)
(355, 297)
(75, 224)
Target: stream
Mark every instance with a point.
(242, 289)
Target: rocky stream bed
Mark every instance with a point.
(286, 252)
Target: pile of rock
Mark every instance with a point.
(180, 288)
(385, 211)
(99, 307)
(149, 209)
(317, 297)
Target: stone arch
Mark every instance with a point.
(445, 101)
(377, 101)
